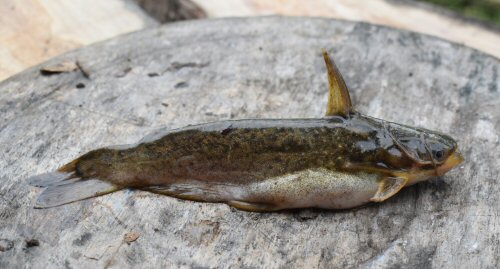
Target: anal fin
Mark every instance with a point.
(252, 207)
(202, 192)
(387, 187)
(194, 191)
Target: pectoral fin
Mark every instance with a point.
(339, 101)
(387, 187)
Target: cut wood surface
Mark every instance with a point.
(207, 70)
(33, 31)
(406, 15)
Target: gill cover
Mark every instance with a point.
(422, 146)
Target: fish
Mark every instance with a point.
(340, 161)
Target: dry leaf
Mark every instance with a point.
(61, 67)
(130, 237)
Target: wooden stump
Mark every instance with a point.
(36, 30)
(198, 71)
(416, 16)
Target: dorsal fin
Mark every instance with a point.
(339, 101)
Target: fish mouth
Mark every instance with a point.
(452, 161)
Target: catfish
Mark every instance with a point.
(343, 160)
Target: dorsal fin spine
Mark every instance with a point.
(339, 100)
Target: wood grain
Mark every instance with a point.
(207, 70)
(33, 31)
(399, 14)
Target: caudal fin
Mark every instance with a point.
(64, 186)
(58, 177)
(72, 191)
(50, 179)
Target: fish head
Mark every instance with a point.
(428, 153)
(443, 152)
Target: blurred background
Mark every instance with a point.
(487, 10)
(32, 31)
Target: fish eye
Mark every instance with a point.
(438, 155)
(439, 151)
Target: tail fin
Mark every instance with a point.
(58, 177)
(64, 186)
(50, 179)
(75, 190)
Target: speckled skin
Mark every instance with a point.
(334, 162)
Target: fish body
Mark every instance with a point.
(343, 160)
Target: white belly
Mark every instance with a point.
(315, 188)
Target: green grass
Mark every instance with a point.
(486, 10)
